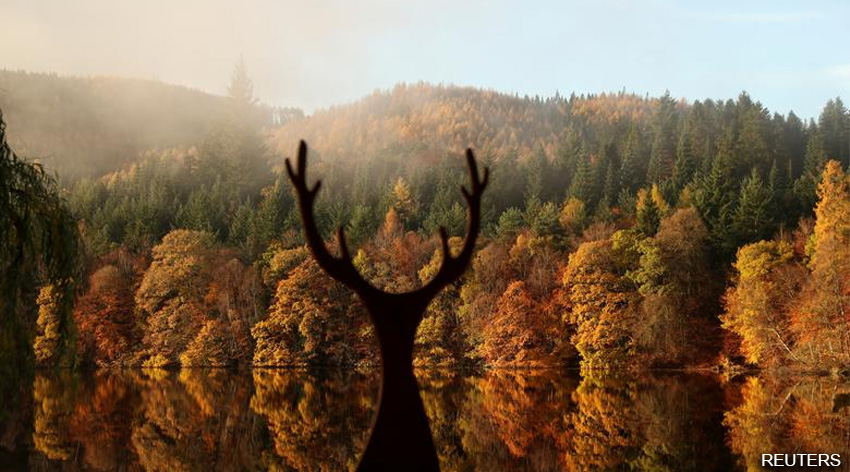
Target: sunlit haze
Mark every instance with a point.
(789, 55)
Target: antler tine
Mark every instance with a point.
(343, 246)
(299, 176)
(340, 268)
(452, 267)
(477, 185)
(444, 240)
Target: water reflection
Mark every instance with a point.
(318, 420)
(793, 415)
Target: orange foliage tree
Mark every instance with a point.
(312, 320)
(104, 317)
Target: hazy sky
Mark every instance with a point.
(312, 54)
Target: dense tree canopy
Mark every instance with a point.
(611, 224)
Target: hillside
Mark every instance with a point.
(432, 120)
(647, 207)
(83, 126)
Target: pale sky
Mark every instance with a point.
(790, 55)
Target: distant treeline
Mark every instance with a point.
(88, 126)
(612, 227)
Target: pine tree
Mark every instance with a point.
(663, 154)
(612, 184)
(510, 223)
(714, 198)
(834, 124)
(537, 174)
(805, 187)
(241, 88)
(685, 166)
(754, 216)
(631, 172)
(751, 145)
(778, 188)
(582, 184)
(445, 212)
(648, 213)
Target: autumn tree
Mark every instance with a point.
(516, 335)
(104, 317)
(648, 213)
(48, 339)
(314, 422)
(172, 291)
(677, 300)
(601, 306)
(439, 339)
(822, 323)
(312, 320)
(757, 307)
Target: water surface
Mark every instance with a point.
(282, 419)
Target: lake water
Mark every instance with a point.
(318, 420)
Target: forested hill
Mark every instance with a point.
(425, 120)
(87, 126)
(610, 228)
(601, 149)
(428, 120)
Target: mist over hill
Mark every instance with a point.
(88, 126)
(610, 200)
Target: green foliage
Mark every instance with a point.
(754, 216)
(511, 222)
(38, 247)
(566, 174)
(648, 213)
(602, 307)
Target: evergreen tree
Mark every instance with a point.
(685, 166)
(834, 125)
(241, 88)
(362, 225)
(751, 145)
(612, 184)
(805, 187)
(582, 184)
(714, 198)
(663, 154)
(648, 213)
(778, 188)
(445, 212)
(754, 216)
(631, 172)
(273, 211)
(510, 223)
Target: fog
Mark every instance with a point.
(304, 54)
(315, 54)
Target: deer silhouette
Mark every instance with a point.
(400, 437)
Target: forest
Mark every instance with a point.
(619, 232)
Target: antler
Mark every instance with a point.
(453, 267)
(340, 268)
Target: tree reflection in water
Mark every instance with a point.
(790, 415)
(318, 420)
